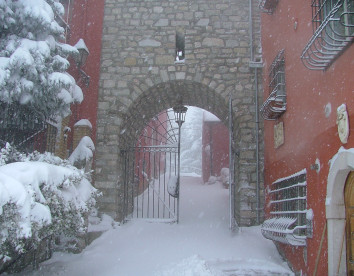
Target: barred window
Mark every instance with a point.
(275, 104)
(288, 198)
(288, 204)
(333, 27)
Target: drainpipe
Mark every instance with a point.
(255, 65)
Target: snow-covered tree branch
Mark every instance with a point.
(33, 60)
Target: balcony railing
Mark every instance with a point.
(333, 24)
(275, 104)
(279, 229)
(289, 222)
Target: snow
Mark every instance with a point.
(81, 45)
(32, 59)
(83, 122)
(83, 151)
(12, 190)
(209, 117)
(22, 184)
(200, 245)
(309, 214)
(172, 186)
(191, 141)
(303, 171)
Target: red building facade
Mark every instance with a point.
(83, 20)
(151, 165)
(309, 110)
(307, 135)
(215, 153)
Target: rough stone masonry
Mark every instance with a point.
(140, 77)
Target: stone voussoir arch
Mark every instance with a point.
(153, 95)
(151, 100)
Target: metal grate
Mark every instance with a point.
(26, 129)
(333, 26)
(288, 200)
(149, 169)
(275, 104)
(268, 6)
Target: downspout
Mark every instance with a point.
(253, 64)
(251, 30)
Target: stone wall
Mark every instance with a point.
(139, 78)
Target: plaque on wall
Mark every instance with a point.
(278, 135)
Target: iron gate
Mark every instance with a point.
(150, 172)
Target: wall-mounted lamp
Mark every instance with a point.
(81, 59)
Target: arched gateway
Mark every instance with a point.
(158, 53)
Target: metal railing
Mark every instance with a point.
(333, 25)
(275, 104)
(25, 129)
(288, 200)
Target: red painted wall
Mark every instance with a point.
(87, 22)
(308, 133)
(215, 149)
(149, 165)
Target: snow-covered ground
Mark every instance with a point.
(200, 245)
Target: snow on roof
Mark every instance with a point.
(84, 122)
(81, 45)
(209, 117)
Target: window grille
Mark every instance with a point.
(288, 203)
(275, 104)
(268, 6)
(51, 133)
(333, 27)
(25, 129)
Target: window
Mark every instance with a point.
(275, 104)
(268, 6)
(288, 199)
(333, 26)
(180, 42)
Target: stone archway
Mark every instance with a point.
(139, 78)
(166, 95)
(151, 102)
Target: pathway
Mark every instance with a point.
(201, 245)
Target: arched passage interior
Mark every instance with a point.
(145, 103)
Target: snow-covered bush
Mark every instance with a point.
(8, 154)
(225, 177)
(40, 195)
(82, 155)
